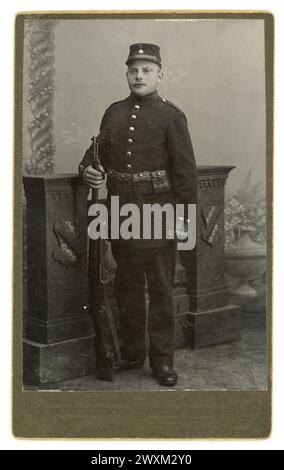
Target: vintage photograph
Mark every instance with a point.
(144, 200)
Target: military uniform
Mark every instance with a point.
(146, 150)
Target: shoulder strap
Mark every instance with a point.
(169, 103)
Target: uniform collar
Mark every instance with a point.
(139, 99)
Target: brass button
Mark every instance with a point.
(140, 174)
(129, 166)
(128, 153)
(131, 128)
(164, 100)
(136, 106)
(159, 174)
(123, 175)
(130, 141)
(133, 116)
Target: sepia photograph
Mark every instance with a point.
(203, 87)
(146, 191)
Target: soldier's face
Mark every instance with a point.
(143, 77)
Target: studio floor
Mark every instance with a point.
(238, 365)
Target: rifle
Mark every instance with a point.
(108, 355)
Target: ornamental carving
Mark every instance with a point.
(68, 248)
(211, 231)
(217, 183)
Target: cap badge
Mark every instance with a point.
(140, 51)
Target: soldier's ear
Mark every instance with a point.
(160, 75)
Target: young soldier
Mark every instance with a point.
(145, 148)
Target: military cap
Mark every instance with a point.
(144, 51)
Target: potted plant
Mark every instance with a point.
(245, 236)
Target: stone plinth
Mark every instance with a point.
(211, 320)
(57, 324)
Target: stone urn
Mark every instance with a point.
(245, 262)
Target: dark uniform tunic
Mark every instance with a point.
(145, 147)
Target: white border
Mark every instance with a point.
(7, 441)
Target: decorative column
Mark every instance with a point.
(210, 320)
(39, 37)
(58, 340)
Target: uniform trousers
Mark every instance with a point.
(156, 266)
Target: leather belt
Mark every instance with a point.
(145, 182)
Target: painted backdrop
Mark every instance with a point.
(214, 71)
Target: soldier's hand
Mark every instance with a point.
(93, 178)
(181, 231)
